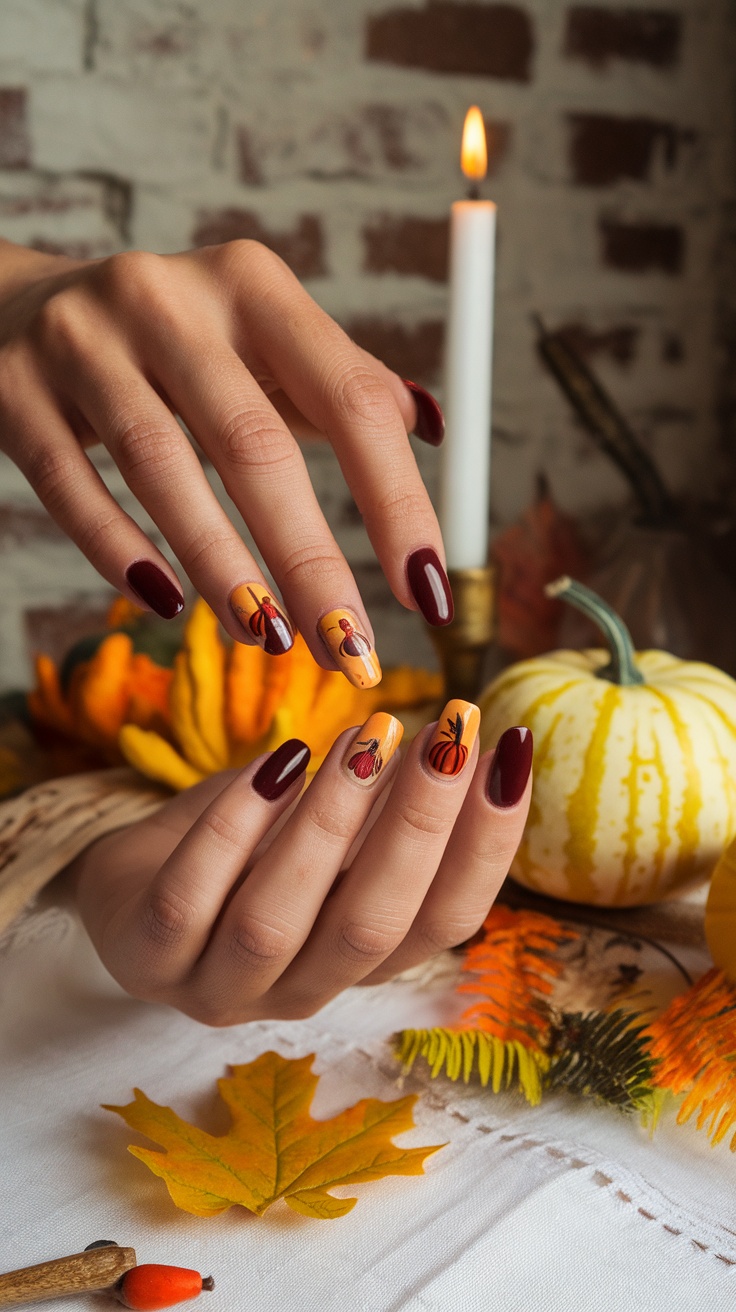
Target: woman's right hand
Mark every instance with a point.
(227, 910)
(225, 337)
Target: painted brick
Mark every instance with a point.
(644, 36)
(413, 352)
(604, 149)
(80, 216)
(372, 139)
(619, 343)
(301, 247)
(494, 40)
(643, 247)
(20, 525)
(15, 147)
(407, 246)
(250, 170)
(54, 629)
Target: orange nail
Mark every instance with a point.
(373, 746)
(254, 607)
(452, 740)
(351, 649)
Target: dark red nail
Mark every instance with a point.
(430, 425)
(281, 768)
(155, 588)
(509, 772)
(430, 586)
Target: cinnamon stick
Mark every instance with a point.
(93, 1271)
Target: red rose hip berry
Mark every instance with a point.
(152, 1285)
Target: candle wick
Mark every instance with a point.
(474, 191)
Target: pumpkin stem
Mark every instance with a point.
(621, 668)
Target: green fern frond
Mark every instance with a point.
(462, 1053)
(602, 1055)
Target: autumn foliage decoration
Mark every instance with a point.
(513, 1035)
(274, 1149)
(219, 707)
(504, 1034)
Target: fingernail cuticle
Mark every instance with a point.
(373, 746)
(430, 425)
(263, 618)
(430, 586)
(155, 588)
(281, 768)
(351, 649)
(510, 767)
(452, 741)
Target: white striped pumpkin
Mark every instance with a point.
(634, 770)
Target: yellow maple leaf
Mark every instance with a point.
(274, 1149)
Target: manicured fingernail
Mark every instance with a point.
(373, 746)
(452, 740)
(510, 767)
(430, 425)
(281, 768)
(350, 648)
(155, 588)
(430, 586)
(261, 617)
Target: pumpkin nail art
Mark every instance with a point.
(351, 649)
(254, 607)
(372, 748)
(452, 740)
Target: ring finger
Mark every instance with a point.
(377, 900)
(272, 913)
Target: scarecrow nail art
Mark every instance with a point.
(452, 740)
(351, 649)
(373, 747)
(254, 607)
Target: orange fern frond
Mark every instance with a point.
(694, 1042)
(514, 966)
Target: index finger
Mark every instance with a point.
(332, 383)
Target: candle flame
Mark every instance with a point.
(474, 154)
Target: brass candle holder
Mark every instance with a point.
(463, 645)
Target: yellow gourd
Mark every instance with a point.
(720, 914)
(634, 765)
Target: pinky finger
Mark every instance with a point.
(70, 488)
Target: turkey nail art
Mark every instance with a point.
(452, 741)
(350, 648)
(510, 767)
(264, 619)
(372, 748)
(430, 425)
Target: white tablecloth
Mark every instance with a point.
(565, 1206)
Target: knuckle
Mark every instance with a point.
(165, 921)
(359, 397)
(201, 559)
(310, 563)
(252, 441)
(59, 324)
(260, 945)
(245, 259)
(402, 505)
(333, 824)
(438, 936)
(141, 443)
(366, 944)
(126, 274)
(420, 821)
